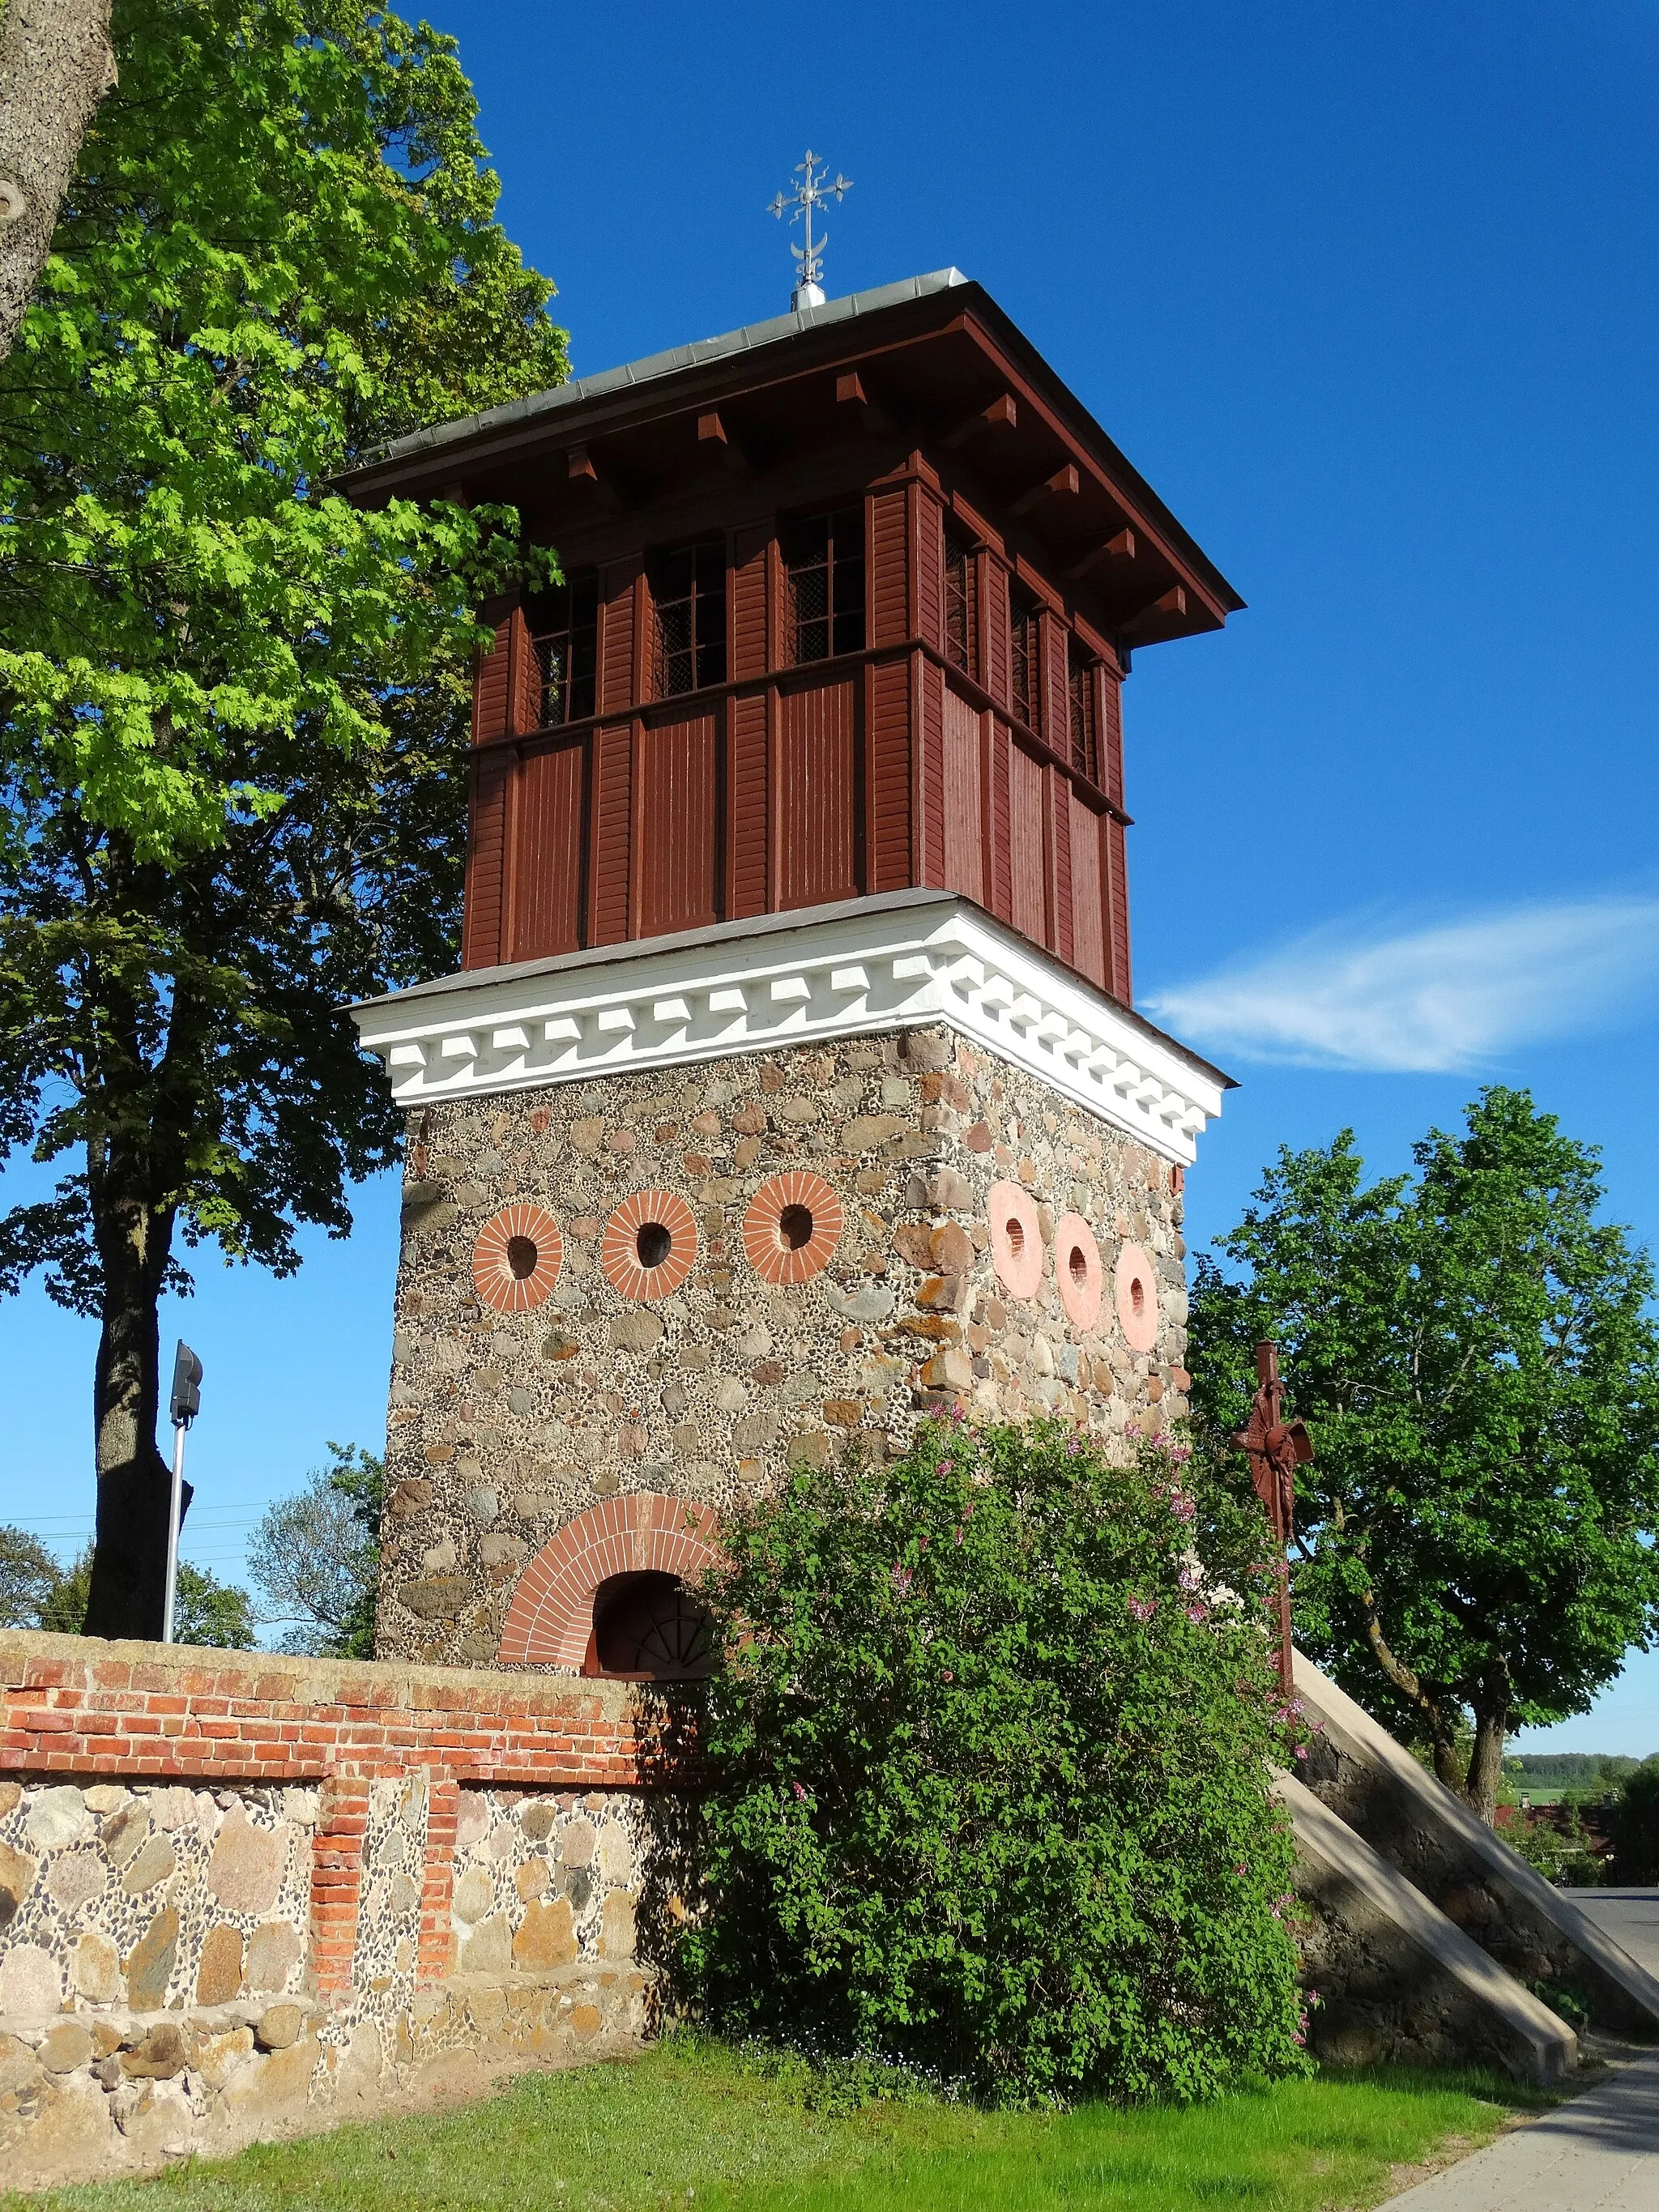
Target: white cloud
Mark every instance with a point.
(1452, 997)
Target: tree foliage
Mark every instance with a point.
(1476, 1355)
(232, 704)
(316, 1557)
(205, 1610)
(988, 1776)
(28, 1576)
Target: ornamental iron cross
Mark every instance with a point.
(1276, 1447)
(817, 187)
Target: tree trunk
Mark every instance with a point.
(135, 1483)
(56, 64)
(1486, 1760)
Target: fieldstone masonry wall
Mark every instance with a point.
(509, 1419)
(242, 1895)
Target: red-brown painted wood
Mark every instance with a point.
(815, 829)
(610, 816)
(481, 924)
(674, 850)
(547, 916)
(746, 842)
(1088, 913)
(963, 827)
(1027, 856)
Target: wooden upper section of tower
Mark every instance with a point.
(848, 600)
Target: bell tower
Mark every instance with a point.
(791, 1085)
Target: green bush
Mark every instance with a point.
(1633, 1819)
(988, 1776)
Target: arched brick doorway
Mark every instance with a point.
(552, 1616)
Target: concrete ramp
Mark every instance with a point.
(1397, 1979)
(1453, 1859)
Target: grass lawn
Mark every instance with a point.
(691, 2123)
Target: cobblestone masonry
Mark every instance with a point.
(241, 1895)
(504, 1427)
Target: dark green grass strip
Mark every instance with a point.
(694, 2123)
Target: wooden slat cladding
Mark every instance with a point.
(1058, 815)
(609, 813)
(888, 570)
(1056, 702)
(1088, 913)
(930, 772)
(994, 627)
(1028, 859)
(1111, 734)
(889, 776)
(618, 670)
(676, 843)
(548, 839)
(524, 678)
(747, 601)
(1119, 982)
(816, 832)
(486, 859)
(489, 695)
(746, 811)
(1001, 885)
(963, 829)
(927, 565)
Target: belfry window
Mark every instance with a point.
(564, 631)
(961, 605)
(688, 603)
(1025, 657)
(824, 580)
(1080, 688)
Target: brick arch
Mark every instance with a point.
(551, 1615)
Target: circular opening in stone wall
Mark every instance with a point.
(792, 1226)
(1137, 1298)
(517, 1258)
(653, 1243)
(648, 1246)
(1138, 1295)
(1017, 1246)
(1077, 1275)
(1078, 1264)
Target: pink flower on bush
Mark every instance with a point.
(800, 1793)
(901, 1578)
(1191, 1575)
(1197, 1613)
(1142, 1608)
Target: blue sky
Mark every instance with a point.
(1369, 295)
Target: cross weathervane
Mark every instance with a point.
(816, 188)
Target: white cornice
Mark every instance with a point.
(870, 966)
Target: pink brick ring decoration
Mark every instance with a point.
(517, 1258)
(792, 1227)
(1136, 1285)
(649, 1244)
(1016, 1239)
(1079, 1271)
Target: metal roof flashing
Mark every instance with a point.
(749, 339)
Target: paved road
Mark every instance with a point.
(1631, 1916)
(1598, 2153)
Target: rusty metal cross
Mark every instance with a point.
(1276, 1447)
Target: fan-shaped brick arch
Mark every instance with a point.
(551, 1615)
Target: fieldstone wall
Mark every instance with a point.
(504, 1426)
(414, 1902)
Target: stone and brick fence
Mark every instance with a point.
(242, 1894)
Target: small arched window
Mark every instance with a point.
(649, 1627)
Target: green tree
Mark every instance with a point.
(316, 1557)
(232, 705)
(1475, 1352)
(988, 1777)
(28, 1576)
(205, 1610)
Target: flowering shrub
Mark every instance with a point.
(988, 1783)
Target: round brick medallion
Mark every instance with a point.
(1016, 1239)
(649, 1245)
(517, 1257)
(792, 1228)
(1077, 1271)
(1135, 1283)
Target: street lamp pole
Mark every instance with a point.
(186, 1403)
